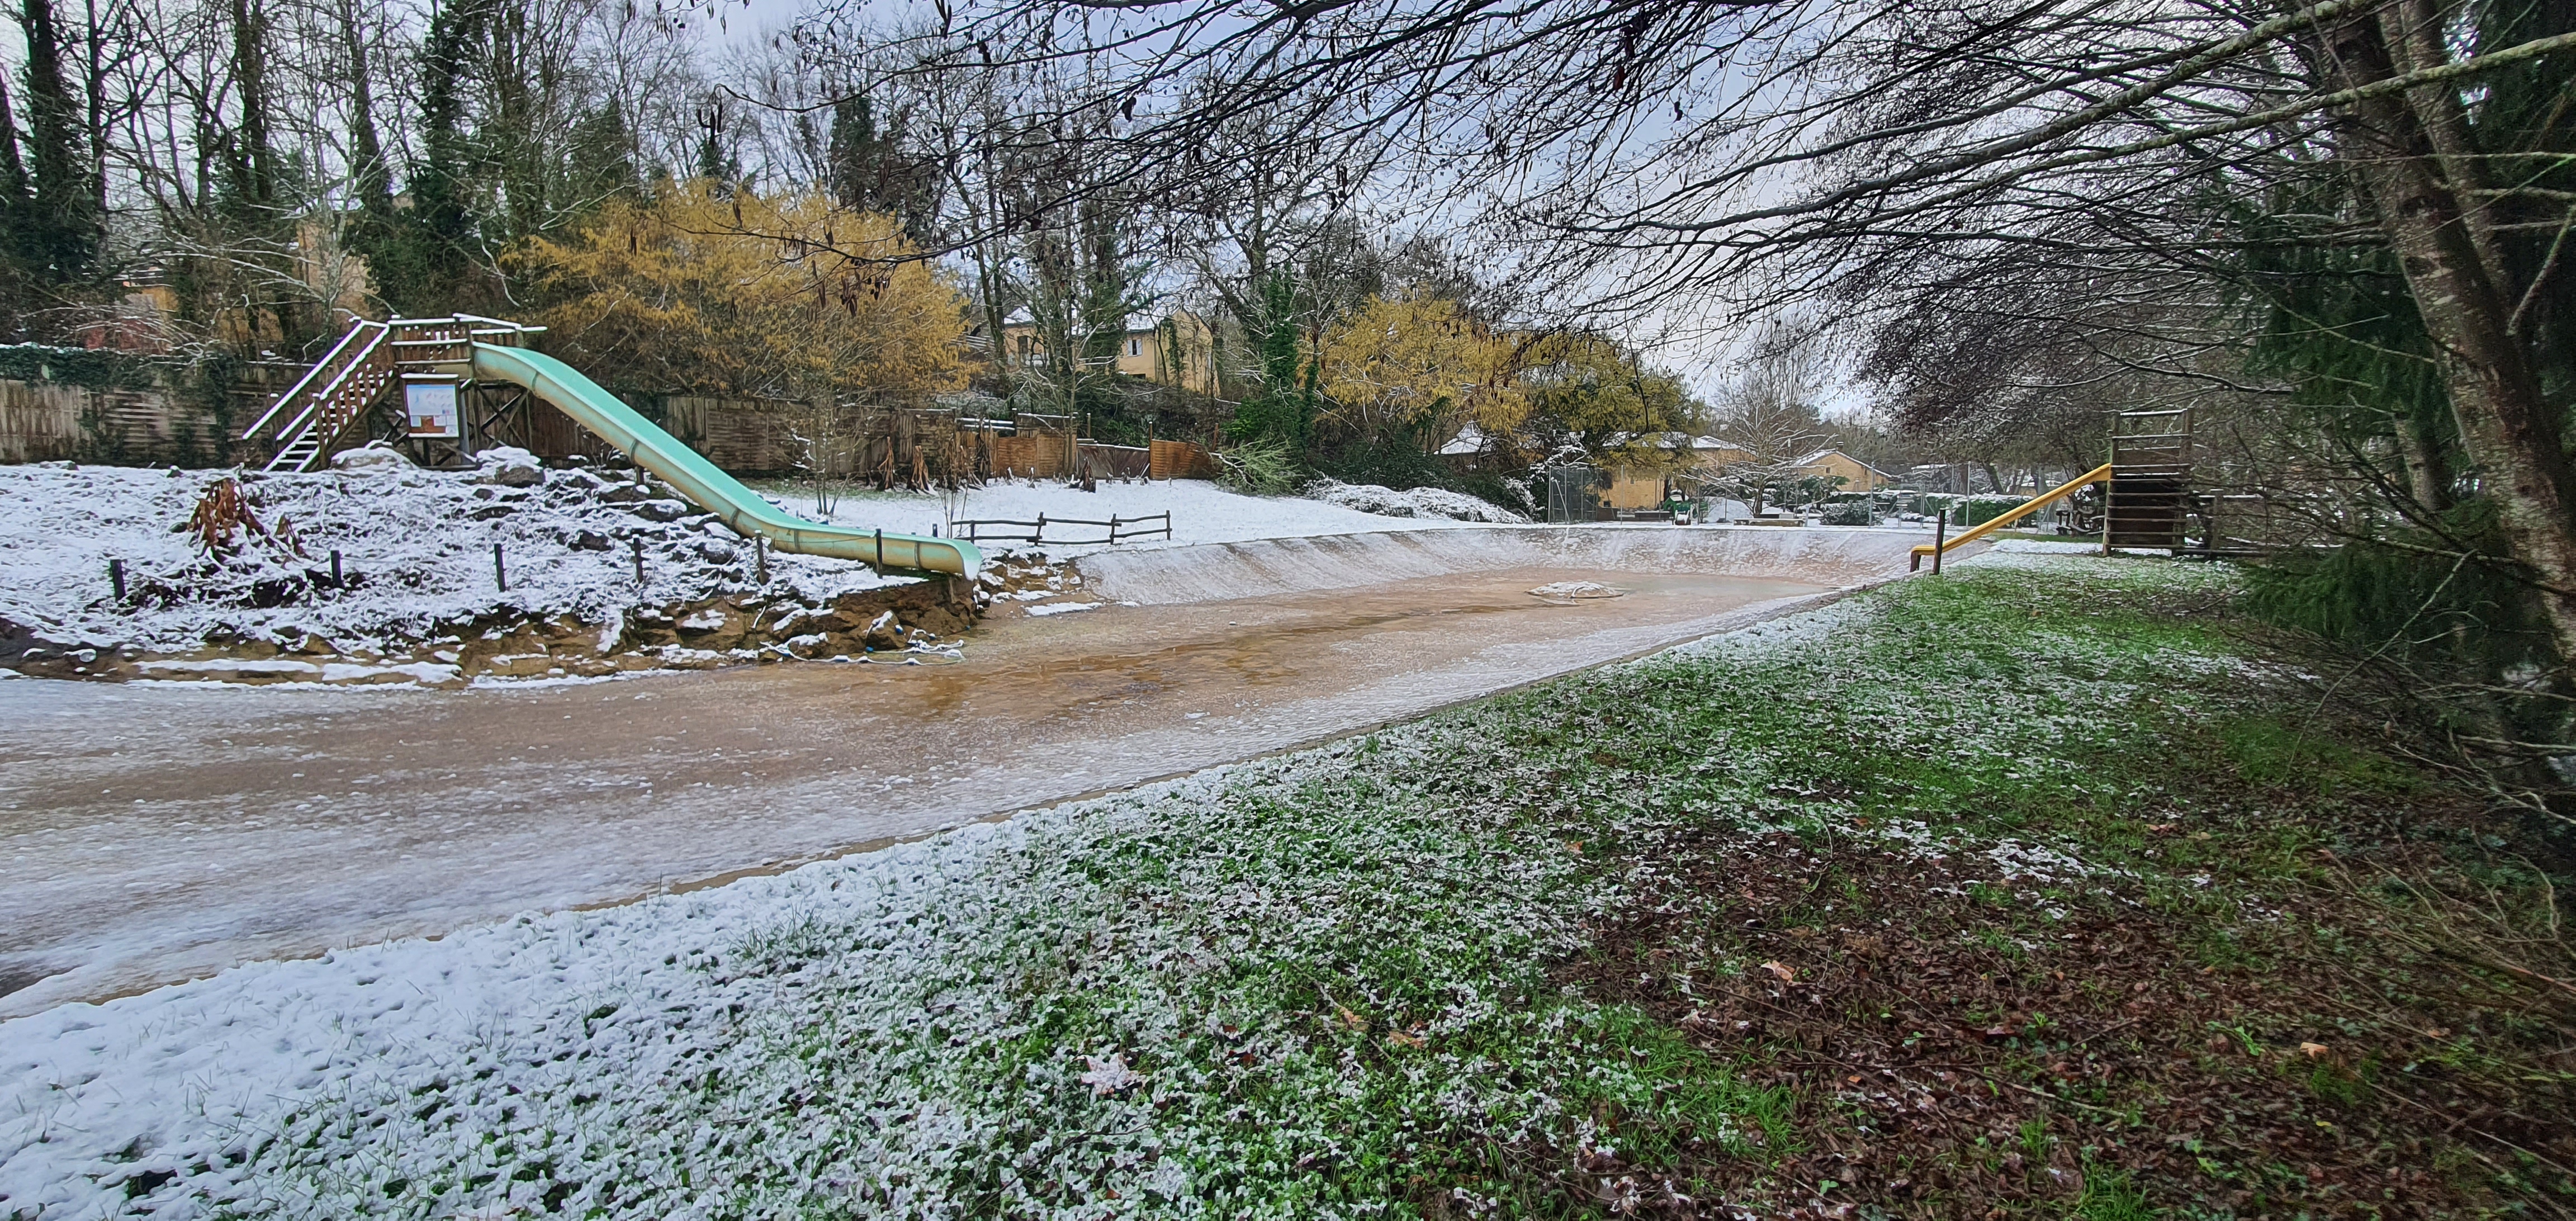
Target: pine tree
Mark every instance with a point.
(421, 255)
(61, 233)
(867, 167)
(600, 164)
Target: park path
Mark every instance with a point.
(153, 833)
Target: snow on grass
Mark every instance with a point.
(1305, 986)
(916, 1032)
(418, 543)
(1202, 511)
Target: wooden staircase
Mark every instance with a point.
(316, 414)
(2149, 493)
(320, 405)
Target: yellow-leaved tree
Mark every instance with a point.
(1589, 393)
(1417, 366)
(717, 292)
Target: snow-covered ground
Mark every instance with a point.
(1202, 512)
(1112, 1004)
(851, 1037)
(416, 544)
(417, 550)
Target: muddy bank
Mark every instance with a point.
(733, 629)
(1826, 556)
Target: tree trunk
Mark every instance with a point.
(2412, 31)
(13, 172)
(254, 176)
(2506, 426)
(373, 177)
(2428, 478)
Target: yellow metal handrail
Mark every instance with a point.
(2099, 474)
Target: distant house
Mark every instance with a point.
(1464, 452)
(1857, 476)
(1645, 489)
(1710, 457)
(1714, 457)
(1178, 351)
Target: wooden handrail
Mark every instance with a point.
(2099, 474)
(328, 358)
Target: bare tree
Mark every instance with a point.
(1769, 411)
(1656, 161)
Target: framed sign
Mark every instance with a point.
(429, 407)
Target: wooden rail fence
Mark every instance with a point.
(1120, 529)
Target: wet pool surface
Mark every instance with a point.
(155, 833)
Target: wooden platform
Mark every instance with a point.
(2149, 495)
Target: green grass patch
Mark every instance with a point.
(1704, 931)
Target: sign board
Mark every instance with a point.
(430, 408)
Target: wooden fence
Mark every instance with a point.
(1180, 460)
(895, 446)
(148, 422)
(1115, 461)
(1121, 529)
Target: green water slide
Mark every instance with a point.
(698, 479)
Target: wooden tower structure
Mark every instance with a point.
(2149, 493)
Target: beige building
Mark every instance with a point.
(1709, 457)
(1178, 351)
(1857, 476)
(1713, 457)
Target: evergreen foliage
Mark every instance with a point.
(1284, 411)
(867, 167)
(59, 232)
(90, 368)
(2423, 578)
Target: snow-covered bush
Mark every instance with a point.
(1414, 502)
(1849, 513)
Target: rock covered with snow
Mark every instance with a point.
(509, 466)
(1413, 502)
(1577, 589)
(372, 456)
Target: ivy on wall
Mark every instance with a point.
(89, 368)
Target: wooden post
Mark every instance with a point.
(1940, 539)
(116, 577)
(336, 579)
(880, 564)
(638, 545)
(2106, 502)
(500, 576)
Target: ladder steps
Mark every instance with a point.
(358, 372)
